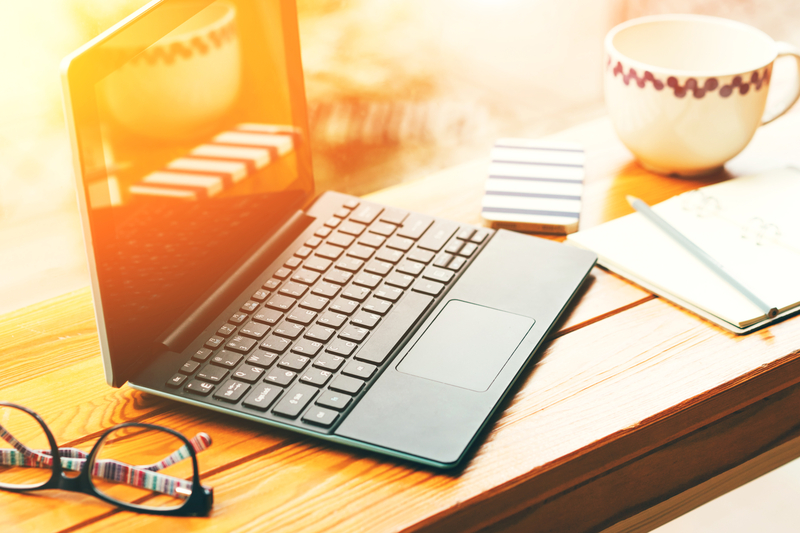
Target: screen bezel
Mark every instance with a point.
(84, 68)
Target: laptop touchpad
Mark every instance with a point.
(466, 345)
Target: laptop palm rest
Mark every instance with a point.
(466, 345)
(428, 403)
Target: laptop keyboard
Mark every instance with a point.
(308, 344)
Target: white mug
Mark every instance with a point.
(686, 93)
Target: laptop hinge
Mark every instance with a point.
(177, 338)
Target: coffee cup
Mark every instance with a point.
(686, 93)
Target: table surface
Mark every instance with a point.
(636, 411)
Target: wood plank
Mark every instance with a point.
(571, 411)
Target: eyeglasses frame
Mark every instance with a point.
(199, 503)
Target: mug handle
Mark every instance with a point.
(786, 49)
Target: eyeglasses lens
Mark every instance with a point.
(141, 466)
(25, 460)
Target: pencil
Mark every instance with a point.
(700, 254)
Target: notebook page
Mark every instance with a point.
(769, 266)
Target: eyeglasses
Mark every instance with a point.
(139, 467)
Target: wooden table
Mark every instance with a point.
(637, 411)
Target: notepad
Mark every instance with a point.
(748, 224)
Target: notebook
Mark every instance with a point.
(748, 224)
(221, 280)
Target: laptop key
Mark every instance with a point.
(237, 318)
(293, 262)
(385, 292)
(333, 222)
(360, 370)
(271, 284)
(309, 277)
(354, 333)
(294, 361)
(262, 359)
(302, 316)
(382, 228)
(428, 287)
(420, 256)
(359, 251)
(393, 328)
(280, 376)
(341, 239)
(456, 263)
(211, 373)
(249, 306)
(332, 320)
(379, 307)
(189, 367)
(410, 267)
(323, 232)
(389, 256)
(199, 387)
(318, 264)
(254, 330)
(176, 381)
(328, 290)
(282, 273)
(379, 268)
(247, 373)
(288, 330)
(438, 274)
(399, 243)
(350, 264)
(438, 235)
(320, 333)
(276, 344)
(414, 226)
(337, 276)
(240, 344)
(479, 236)
(345, 307)
(316, 377)
(202, 354)
(465, 234)
(260, 295)
(320, 417)
(313, 242)
(366, 214)
(328, 251)
(262, 397)
(352, 292)
(303, 252)
(352, 228)
(294, 289)
(454, 247)
(226, 359)
(329, 362)
(268, 316)
(365, 320)
(214, 342)
(372, 240)
(295, 400)
(367, 280)
(468, 249)
(307, 347)
(443, 260)
(232, 391)
(281, 303)
(334, 400)
(341, 347)
(314, 303)
(347, 385)
(399, 280)
(393, 216)
(351, 203)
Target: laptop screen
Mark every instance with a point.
(191, 127)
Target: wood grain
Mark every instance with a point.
(632, 402)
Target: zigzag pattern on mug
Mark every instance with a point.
(691, 84)
(201, 45)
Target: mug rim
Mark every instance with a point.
(630, 62)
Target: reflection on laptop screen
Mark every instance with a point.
(204, 154)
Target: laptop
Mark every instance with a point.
(221, 280)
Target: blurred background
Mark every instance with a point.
(396, 89)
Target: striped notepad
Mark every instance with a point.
(534, 186)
